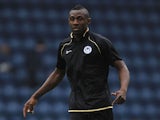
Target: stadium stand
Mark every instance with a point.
(133, 27)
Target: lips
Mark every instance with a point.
(75, 28)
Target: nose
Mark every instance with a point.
(75, 22)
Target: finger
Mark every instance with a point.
(24, 114)
(30, 108)
(25, 111)
(114, 93)
(116, 101)
(30, 111)
(121, 100)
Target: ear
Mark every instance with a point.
(89, 20)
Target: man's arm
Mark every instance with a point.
(54, 78)
(124, 81)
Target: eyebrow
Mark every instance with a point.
(76, 16)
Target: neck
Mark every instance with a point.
(79, 35)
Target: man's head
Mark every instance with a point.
(79, 19)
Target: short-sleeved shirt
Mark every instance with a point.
(87, 64)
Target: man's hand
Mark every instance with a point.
(120, 97)
(29, 106)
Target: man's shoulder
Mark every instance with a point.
(66, 40)
(100, 38)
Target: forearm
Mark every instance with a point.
(123, 74)
(124, 78)
(53, 79)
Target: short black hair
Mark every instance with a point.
(80, 7)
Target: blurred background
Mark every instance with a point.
(30, 31)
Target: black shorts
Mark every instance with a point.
(98, 115)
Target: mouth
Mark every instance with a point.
(75, 29)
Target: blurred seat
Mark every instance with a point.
(13, 108)
(48, 59)
(136, 111)
(37, 14)
(151, 111)
(28, 43)
(44, 109)
(52, 15)
(18, 59)
(9, 92)
(2, 107)
(22, 13)
(11, 27)
(6, 78)
(24, 92)
(60, 108)
(15, 43)
(133, 95)
(146, 95)
(132, 26)
(59, 94)
(3, 118)
(21, 76)
(7, 12)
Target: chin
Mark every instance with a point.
(77, 31)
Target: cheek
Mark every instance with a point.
(84, 25)
(70, 24)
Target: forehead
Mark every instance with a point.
(76, 13)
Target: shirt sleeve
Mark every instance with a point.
(109, 52)
(61, 64)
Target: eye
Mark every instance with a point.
(80, 18)
(71, 18)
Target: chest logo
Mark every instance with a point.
(87, 49)
(68, 51)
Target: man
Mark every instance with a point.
(85, 57)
